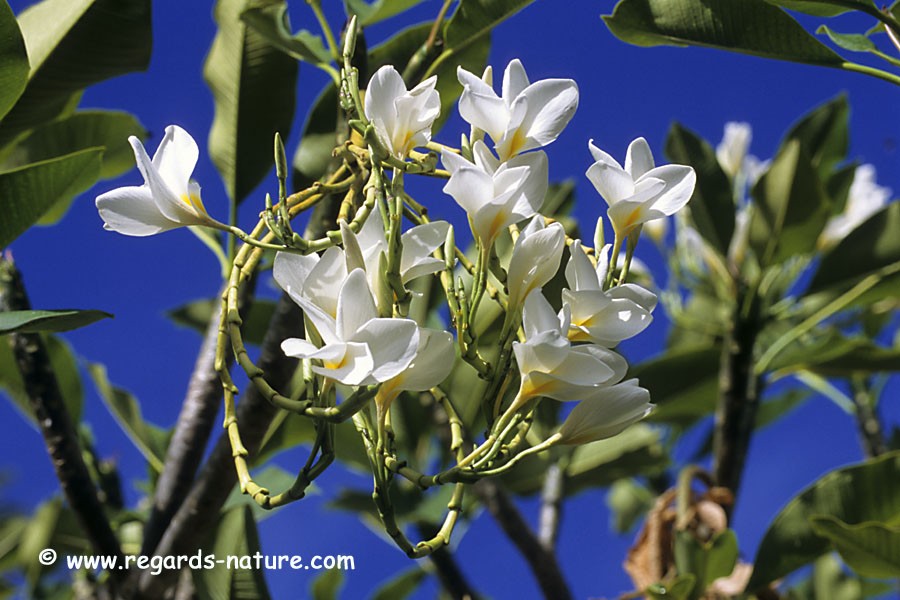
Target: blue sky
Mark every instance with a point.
(625, 92)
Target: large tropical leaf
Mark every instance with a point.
(13, 60)
(33, 321)
(71, 45)
(84, 129)
(372, 12)
(791, 207)
(253, 84)
(871, 549)
(475, 18)
(26, 194)
(149, 439)
(712, 205)
(867, 492)
(235, 536)
(748, 26)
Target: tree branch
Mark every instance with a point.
(55, 423)
(870, 430)
(739, 391)
(551, 506)
(199, 512)
(192, 430)
(543, 563)
(447, 570)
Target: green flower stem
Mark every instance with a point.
(415, 62)
(630, 245)
(872, 71)
(402, 296)
(316, 6)
(887, 57)
(480, 282)
(613, 260)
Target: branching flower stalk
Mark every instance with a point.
(360, 349)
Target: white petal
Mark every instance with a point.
(484, 158)
(606, 414)
(537, 315)
(371, 235)
(679, 186)
(580, 273)
(353, 368)
(612, 182)
(533, 188)
(471, 187)
(514, 81)
(535, 260)
(167, 200)
(602, 157)
(638, 158)
(291, 272)
(132, 211)
(385, 86)
(480, 106)
(298, 348)
(392, 342)
(353, 254)
(453, 161)
(433, 361)
(551, 105)
(355, 305)
(418, 244)
(176, 158)
(323, 284)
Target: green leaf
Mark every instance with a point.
(65, 368)
(253, 85)
(870, 549)
(71, 45)
(824, 135)
(678, 589)
(235, 536)
(635, 451)
(821, 8)
(14, 66)
(475, 18)
(327, 585)
(369, 13)
(197, 314)
(791, 207)
(706, 561)
(95, 128)
(109, 129)
(829, 352)
(628, 501)
(320, 136)
(747, 26)
(34, 321)
(869, 491)
(149, 439)
(683, 384)
(470, 54)
(27, 193)
(867, 249)
(855, 42)
(400, 586)
(712, 205)
(273, 24)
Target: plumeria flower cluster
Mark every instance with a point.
(353, 285)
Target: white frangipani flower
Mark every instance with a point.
(359, 347)
(168, 198)
(732, 150)
(864, 199)
(550, 366)
(402, 118)
(526, 115)
(606, 413)
(640, 191)
(603, 317)
(495, 195)
(535, 259)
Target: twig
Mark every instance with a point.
(543, 564)
(192, 430)
(551, 506)
(870, 430)
(55, 423)
(739, 391)
(447, 570)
